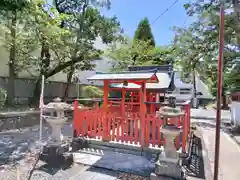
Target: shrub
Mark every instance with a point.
(92, 92)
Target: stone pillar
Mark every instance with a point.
(168, 163)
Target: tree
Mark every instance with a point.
(75, 50)
(144, 32)
(206, 29)
(86, 25)
(10, 11)
(186, 50)
(136, 53)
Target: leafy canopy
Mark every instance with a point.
(196, 47)
(144, 32)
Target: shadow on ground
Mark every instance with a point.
(16, 144)
(117, 175)
(196, 163)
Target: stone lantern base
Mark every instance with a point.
(56, 155)
(166, 168)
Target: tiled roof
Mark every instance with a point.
(162, 68)
(164, 82)
(123, 76)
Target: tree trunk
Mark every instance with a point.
(194, 84)
(12, 57)
(45, 62)
(224, 103)
(69, 79)
(36, 92)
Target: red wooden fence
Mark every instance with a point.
(95, 123)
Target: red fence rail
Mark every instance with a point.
(95, 123)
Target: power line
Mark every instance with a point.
(166, 10)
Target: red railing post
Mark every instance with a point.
(189, 116)
(186, 126)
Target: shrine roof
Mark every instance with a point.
(161, 68)
(127, 75)
(163, 83)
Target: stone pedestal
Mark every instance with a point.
(168, 164)
(56, 155)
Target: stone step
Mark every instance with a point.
(116, 161)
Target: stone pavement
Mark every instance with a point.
(129, 163)
(18, 146)
(229, 159)
(209, 114)
(76, 172)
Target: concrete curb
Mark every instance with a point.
(118, 147)
(209, 118)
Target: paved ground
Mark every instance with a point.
(18, 147)
(17, 144)
(229, 151)
(76, 172)
(141, 165)
(209, 114)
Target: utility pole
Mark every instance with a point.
(219, 91)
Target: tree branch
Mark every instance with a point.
(62, 66)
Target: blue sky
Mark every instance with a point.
(130, 12)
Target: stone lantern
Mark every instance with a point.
(56, 117)
(168, 163)
(56, 153)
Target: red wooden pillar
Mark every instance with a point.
(132, 100)
(142, 97)
(123, 102)
(106, 132)
(123, 112)
(105, 95)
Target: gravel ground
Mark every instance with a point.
(76, 172)
(18, 149)
(17, 143)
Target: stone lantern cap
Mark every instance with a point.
(170, 112)
(57, 105)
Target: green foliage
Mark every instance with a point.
(136, 53)
(92, 92)
(13, 5)
(37, 26)
(233, 78)
(144, 32)
(196, 47)
(3, 96)
(86, 26)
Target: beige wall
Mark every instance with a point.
(27, 73)
(102, 65)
